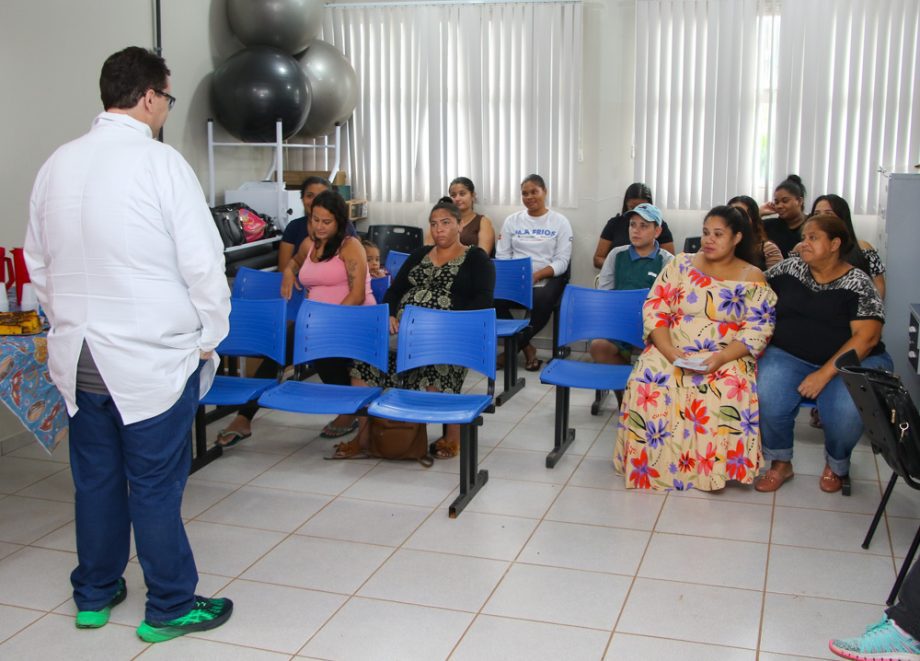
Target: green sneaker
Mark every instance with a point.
(99, 618)
(882, 641)
(205, 614)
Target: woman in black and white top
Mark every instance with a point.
(862, 254)
(825, 307)
(546, 237)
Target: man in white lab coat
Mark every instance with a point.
(129, 269)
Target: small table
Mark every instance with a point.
(27, 390)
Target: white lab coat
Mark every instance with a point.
(123, 253)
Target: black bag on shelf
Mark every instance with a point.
(238, 223)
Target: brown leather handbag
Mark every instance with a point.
(392, 439)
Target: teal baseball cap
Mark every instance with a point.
(648, 211)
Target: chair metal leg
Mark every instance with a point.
(558, 352)
(599, 397)
(563, 436)
(512, 383)
(905, 567)
(471, 478)
(881, 510)
(201, 455)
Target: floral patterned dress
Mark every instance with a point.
(680, 429)
(429, 287)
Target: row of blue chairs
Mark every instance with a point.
(584, 314)
(426, 337)
(513, 283)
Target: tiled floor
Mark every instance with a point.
(358, 559)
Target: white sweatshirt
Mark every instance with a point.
(546, 239)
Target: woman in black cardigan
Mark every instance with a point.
(446, 276)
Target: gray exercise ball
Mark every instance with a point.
(286, 24)
(254, 88)
(334, 85)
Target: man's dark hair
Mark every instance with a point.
(128, 74)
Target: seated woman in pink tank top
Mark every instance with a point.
(332, 267)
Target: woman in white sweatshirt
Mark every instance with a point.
(546, 237)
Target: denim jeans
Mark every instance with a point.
(778, 376)
(128, 475)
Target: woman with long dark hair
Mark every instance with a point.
(766, 253)
(332, 266)
(861, 254)
(689, 415)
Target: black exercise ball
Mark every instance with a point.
(256, 87)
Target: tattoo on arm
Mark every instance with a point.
(351, 267)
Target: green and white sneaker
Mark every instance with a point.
(881, 641)
(205, 614)
(99, 618)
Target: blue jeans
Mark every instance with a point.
(128, 475)
(778, 376)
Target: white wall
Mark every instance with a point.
(51, 52)
(50, 56)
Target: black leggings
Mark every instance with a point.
(545, 299)
(906, 613)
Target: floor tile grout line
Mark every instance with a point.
(536, 527)
(635, 576)
(379, 567)
(766, 576)
(287, 537)
(561, 487)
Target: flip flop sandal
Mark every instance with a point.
(533, 365)
(442, 449)
(333, 431)
(348, 450)
(227, 438)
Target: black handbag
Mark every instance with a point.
(902, 449)
(238, 223)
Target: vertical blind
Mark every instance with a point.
(848, 95)
(699, 88)
(733, 95)
(487, 91)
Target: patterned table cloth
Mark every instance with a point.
(27, 390)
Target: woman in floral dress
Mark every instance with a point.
(681, 428)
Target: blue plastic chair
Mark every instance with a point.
(324, 330)
(379, 287)
(587, 314)
(445, 337)
(257, 328)
(254, 284)
(395, 261)
(513, 282)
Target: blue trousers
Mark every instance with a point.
(778, 376)
(128, 475)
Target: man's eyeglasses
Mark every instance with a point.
(169, 97)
